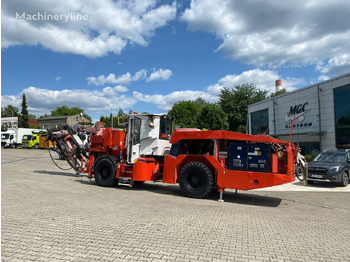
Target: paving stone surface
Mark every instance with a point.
(48, 214)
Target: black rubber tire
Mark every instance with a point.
(105, 169)
(13, 146)
(300, 172)
(344, 179)
(36, 146)
(196, 180)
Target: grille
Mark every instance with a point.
(318, 170)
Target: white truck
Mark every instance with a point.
(13, 136)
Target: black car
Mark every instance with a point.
(330, 166)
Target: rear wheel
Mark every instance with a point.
(105, 169)
(196, 180)
(36, 146)
(344, 179)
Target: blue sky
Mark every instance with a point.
(145, 55)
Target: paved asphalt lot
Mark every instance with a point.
(53, 215)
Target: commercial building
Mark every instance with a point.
(9, 122)
(12, 122)
(59, 121)
(321, 112)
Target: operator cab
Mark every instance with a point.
(148, 135)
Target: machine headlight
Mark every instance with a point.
(334, 169)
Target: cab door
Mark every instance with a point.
(134, 139)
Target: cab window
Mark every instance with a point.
(165, 128)
(136, 131)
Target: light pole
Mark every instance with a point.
(111, 115)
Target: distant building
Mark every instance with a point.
(33, 122)
(9, 121)
(59, 121)
(321, 111)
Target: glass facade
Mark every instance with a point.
(260, 122)
(310, 148)
(342, 116)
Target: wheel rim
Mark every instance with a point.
(345, 179)
(105, 172)
(195, 180)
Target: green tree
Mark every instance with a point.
(234, 102)
(118, 121)
(9, 110)
(186, 112)
(24, 120)
(212, 117)
(46, 115)
(280, 92)
(4, 127)
(66, 111)
(61, 111)
(105, 120)
(121, 112)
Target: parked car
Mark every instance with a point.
(330, 166)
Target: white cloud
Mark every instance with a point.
(336, 65)
(323, 78)
(161, 74)
(265, 33)
(109, 27)
(263, 79)
(58, 78)
(120, 89)
(142, 74)
(113, 79)
(165, 102)
(41, 101)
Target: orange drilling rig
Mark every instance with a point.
(199, 161)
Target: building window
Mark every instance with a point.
(310, 148)
(342, 116)
(260, 122)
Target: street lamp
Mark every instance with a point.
(111, 114)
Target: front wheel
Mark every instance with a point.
(196, 180)
(344, 179)
(105, 169)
